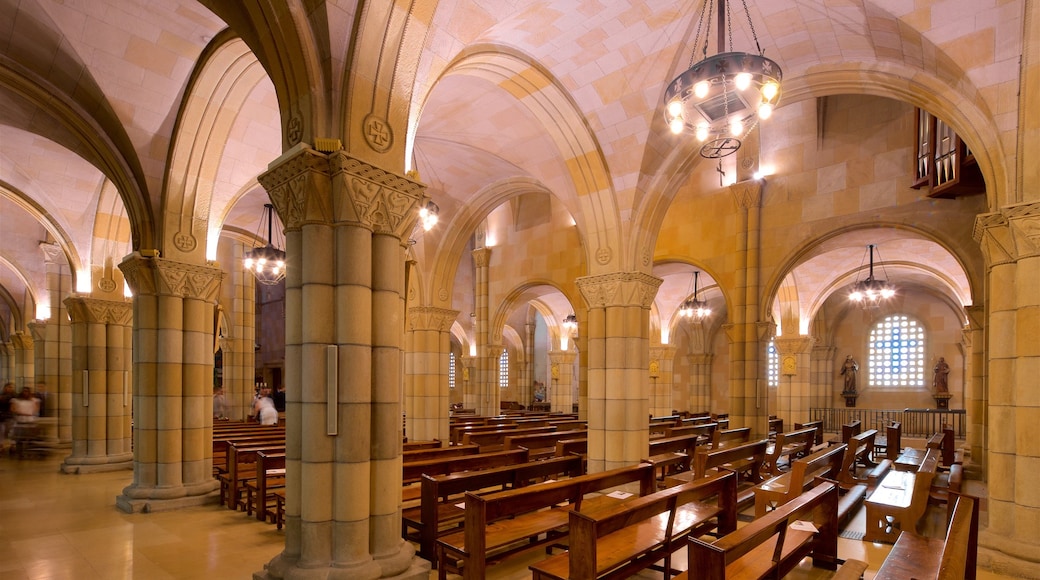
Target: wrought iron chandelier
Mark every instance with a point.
(722, 97)
(871, 291)
(267, 263)
(692, 307)
(570, 322)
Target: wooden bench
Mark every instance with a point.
(791, 445)
(459, 431)
(890, 444)
(746, 460)
(900, 500)
(857, 454)
(730, 437)
(567, 447)
(541, 445)
(818, 425)
(495, 440)
(671, 455)
(439, 453)
(775, 425)
(270, 475)
(705, 431)
(251, 435)
(777, 491)
(951, 558)
(413, 472)
(241, 467)
(771, 546)
(415, 445)
(848, 430)
(621, 540)
(504, 523)
(441, 493)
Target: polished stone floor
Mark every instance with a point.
(56, 526)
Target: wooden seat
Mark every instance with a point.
(746, 460)
(790, 445)
(781, 489)
(899, 501)
(951, 558)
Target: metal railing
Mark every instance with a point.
(916, 422)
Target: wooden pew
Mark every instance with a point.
(413, 472)
(730, 437)
(791, 445)
(705, 431)
(618, 541)
(541, 445)
(899, 501)
(501, 524)
(809, 424)
(951, 558)
(567, 447)
(416, 445)
(258, 435)
(270, 475)
(241, 467)
(781, 489)
(495, 440)
(458, 431)
(744, 459)
(441, 494)
(439, 453)
(671, 455)
(890, 444)
(848, 430)
(770, 546)
(775, 425)
(857, 453)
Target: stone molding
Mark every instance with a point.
(93, 310)
(1009, 234)
(619, 289)
(52, 253)
(22, 341)
(382, 201)
(431, 318)
(38, 330)
(663, 352)
(156, 276)
(747, 194)
(298, 187)
(700, 358)
(798, 345)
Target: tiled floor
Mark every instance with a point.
(56, 526)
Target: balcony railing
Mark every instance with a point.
(916, 422)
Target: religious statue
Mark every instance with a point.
(539, 392)
(940, 379)
(849, 370)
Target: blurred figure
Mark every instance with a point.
(25, 407)
(265, 410)
(219, 404)
(42, 395)
(279, 398)
(6, 416)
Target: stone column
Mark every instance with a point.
(526, 379)
(238, 347)
(699, 397)
(6, 363)
(975, 401)
(22, 349)
(821, 385)
(748, 387)
(1009, 243)
(346, 223)
(54, 344)
(661, 382)
(101, 395)
(793, 393)
(618, 347)
(426, 372)
(564, 381)
(486, 397)
(173, 308)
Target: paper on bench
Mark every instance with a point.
(619, 494)
(804, 526)
(461, 505)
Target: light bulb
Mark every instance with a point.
(701, 89)
(743, 81)
(765, 110)
(674, 108)
(702, 132)
(769, 90)
(736, 128)
(249, 262)
(676, 125)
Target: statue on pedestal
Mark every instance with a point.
(941, 376)
(849, 369)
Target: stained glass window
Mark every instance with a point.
(896, 353)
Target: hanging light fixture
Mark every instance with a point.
(871, 291)
(722, 97)
(692, 307)
(570, 322)
(428, 215)
(267, 263)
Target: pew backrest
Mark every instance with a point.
(721, 437)
(752, 453)
(412, 472)
(809, 424)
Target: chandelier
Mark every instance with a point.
(722, 97)
(570, 322)
(267, 263)
(692, 307)
(871, 291)
(428, 215)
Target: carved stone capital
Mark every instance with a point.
(619, 289)
(151, 276)
(22, 341)
(92, 310)
(299, 186)
(747, 194)
(563, 357)
(1009, 234)
(38, 331)
(382, 201)
(52, 253)
(794, 345)
(662, 352)
(481, 257)
(430, 318)
(701, 358)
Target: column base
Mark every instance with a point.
(135, 499)
(1008, 557)
(419, 570)
(77, 465)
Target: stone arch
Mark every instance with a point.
(45, 219)
(595, 207)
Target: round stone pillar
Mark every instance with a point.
(426, 372)
(345, 226)
(564, 380)
(173, 308)
(663, 387)
(101, 385)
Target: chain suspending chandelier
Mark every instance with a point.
(267, 263)
(871, 291)
(692, 307)
(722, 97)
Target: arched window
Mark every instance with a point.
(896, 353)
(772, 365)
(451, 370)
(503, 369)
